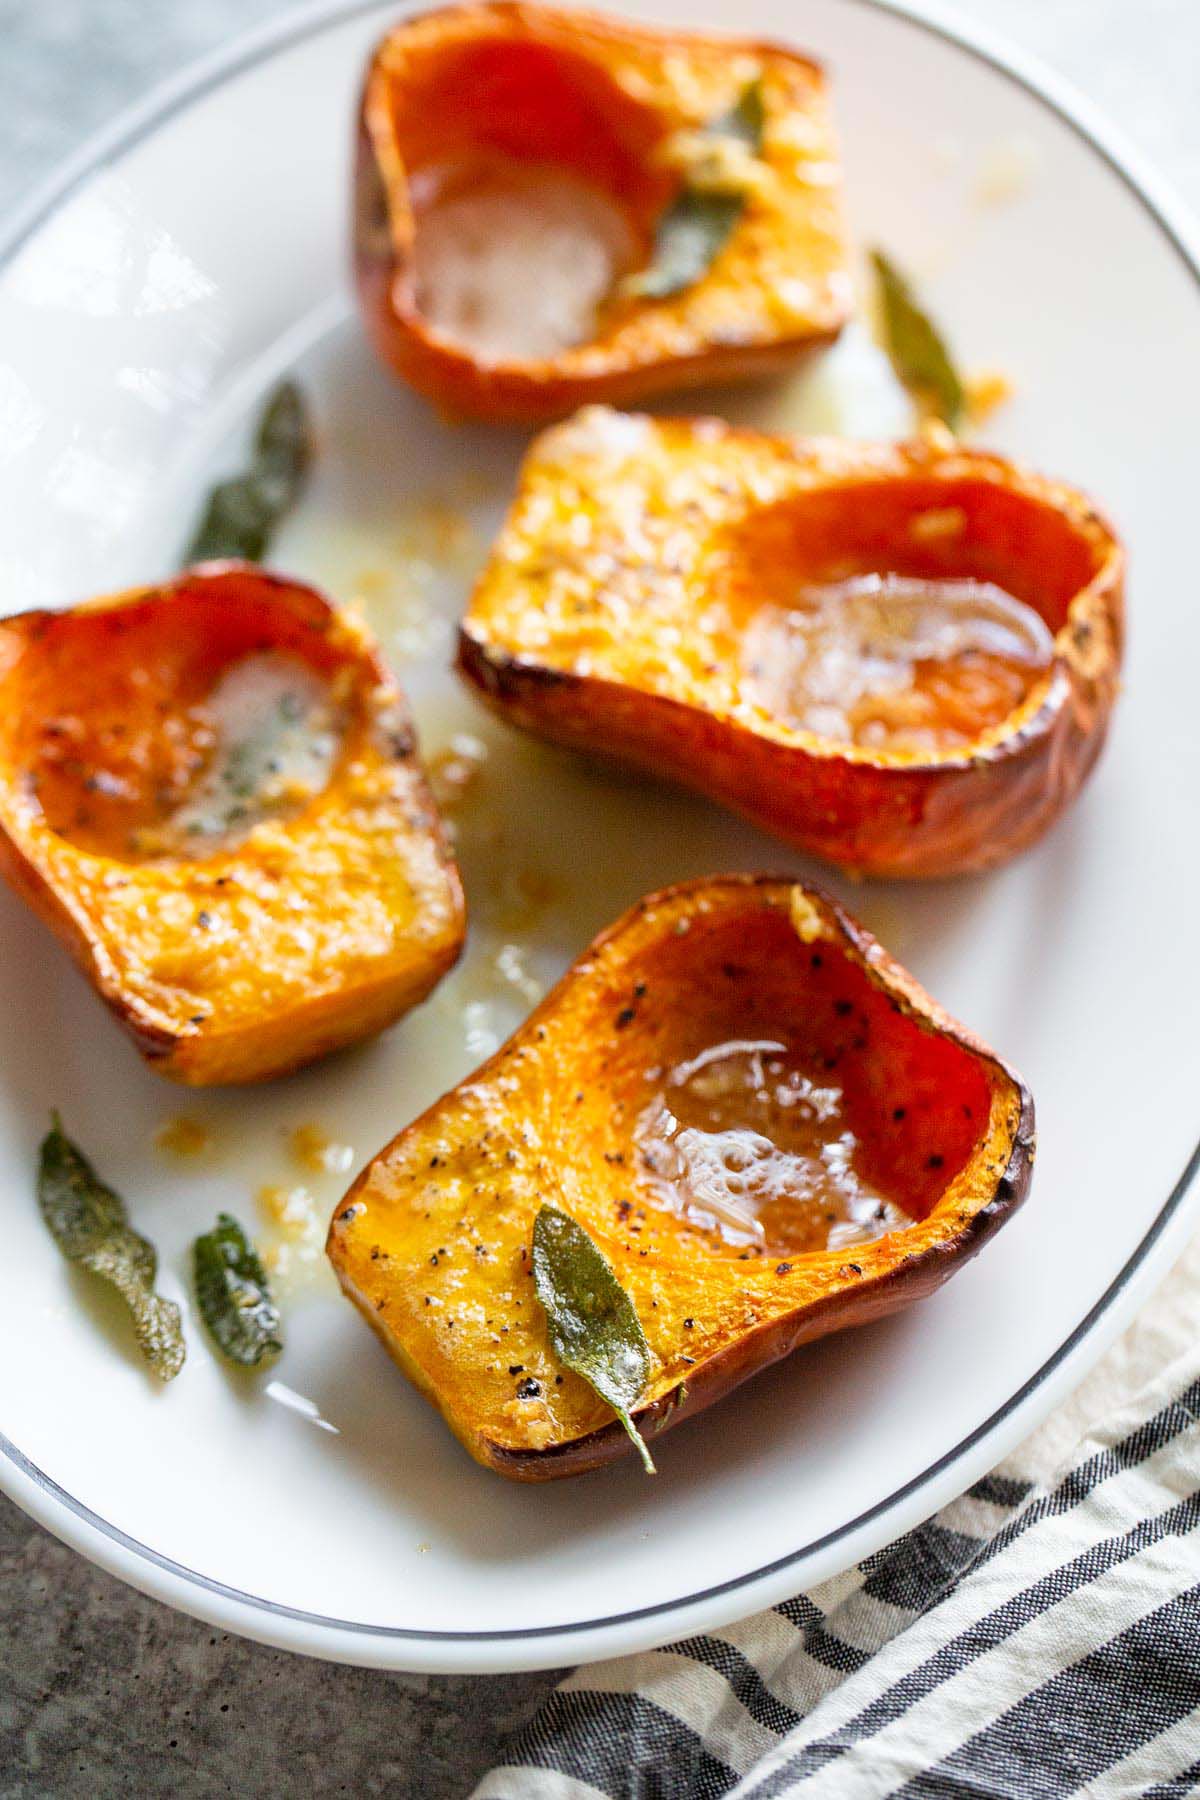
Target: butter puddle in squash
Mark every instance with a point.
(231, 833)
(553, 207)
(764, 1124)
(900, 657)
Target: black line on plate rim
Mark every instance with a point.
(285, 37)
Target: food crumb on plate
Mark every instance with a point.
(316, 1151)
(183, 1137)
(1005, 171)
(293, 1250)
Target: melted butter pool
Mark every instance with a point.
(514, 260)
(742, 1142)
(274, 730)
(888, 662)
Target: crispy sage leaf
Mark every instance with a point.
(89, 1224)
(696, 225)
(594, 1328)
(232, 1294)
(689, 236)
(242, 513)
(746, 118)
(919, 356)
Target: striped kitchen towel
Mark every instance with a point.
(1039, 1638)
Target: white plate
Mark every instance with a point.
(144, 305)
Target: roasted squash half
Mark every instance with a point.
(902, 658)
(515, 165)
(767, 1127)
(210, 791)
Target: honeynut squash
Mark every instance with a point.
(553, 207)
(230, 831)
(900, 657)
(774, 1133)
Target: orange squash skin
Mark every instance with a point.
(609, 617)
(313, 930)
(599, 96)
(432, 1240)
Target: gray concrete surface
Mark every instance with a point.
(105, 1693)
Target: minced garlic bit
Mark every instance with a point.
(454, 772)
(291, 1209)
(985, 392)
(294, 1253)
(317, 1152)
(183, 1137)
(807, 920)
(512, 966)
(479, 1029)
(532, 1418)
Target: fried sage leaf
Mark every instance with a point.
(915, 346)
(698, 222)
(242, 513)
(746, 118)
(232, 1294)
(690, 234)
(594, 1328)
(89, 1224)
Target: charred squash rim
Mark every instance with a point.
(875, 812)
(41, 866)
(532, 390)
(988, 1205)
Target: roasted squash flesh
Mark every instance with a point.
(513, 165)
(210, 791)
(768, 1128)
(902, 658)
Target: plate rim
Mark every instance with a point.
(529, 1647)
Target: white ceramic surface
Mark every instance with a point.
(143, 307)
